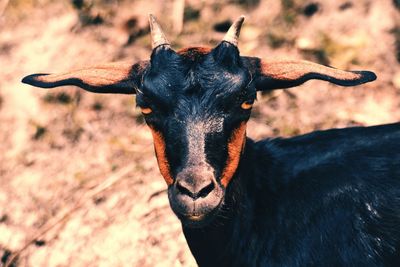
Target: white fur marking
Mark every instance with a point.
(197, 131)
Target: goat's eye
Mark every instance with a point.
(146, 110)
(246, 105)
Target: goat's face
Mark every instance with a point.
(196, 102)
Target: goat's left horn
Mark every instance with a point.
(233, 33)
(157, 35)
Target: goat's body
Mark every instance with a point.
(329, 198)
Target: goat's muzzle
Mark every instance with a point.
(195, 195)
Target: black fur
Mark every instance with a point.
(328, 198)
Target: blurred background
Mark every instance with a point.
(79, 183)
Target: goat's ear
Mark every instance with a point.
(117, 78)
(271, 75)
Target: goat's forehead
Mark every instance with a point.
(196, 84)
(195, 72)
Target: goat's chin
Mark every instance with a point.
(201, 220)
(199, 212)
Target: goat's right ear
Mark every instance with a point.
(280, 74)
(117, 78)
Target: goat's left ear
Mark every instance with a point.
(271, 75)
(117, 78)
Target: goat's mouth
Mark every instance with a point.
(196, 213)
(195, 217)
(199, 220)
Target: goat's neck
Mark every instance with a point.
(213, 245)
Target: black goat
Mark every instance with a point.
(329, 198)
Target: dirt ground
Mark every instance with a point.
(79, 183)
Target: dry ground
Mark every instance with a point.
(88, 159)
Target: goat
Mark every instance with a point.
(327, 198)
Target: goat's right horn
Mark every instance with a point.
(157, 35)
(232, 35)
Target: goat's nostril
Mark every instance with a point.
(206, 190)
(193, 191)
(184, 191)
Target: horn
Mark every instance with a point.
(157, 36)
(232, 35)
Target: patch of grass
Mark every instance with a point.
(6, 257)
(6, 47)
(310, 9)
(247, 3)
(73, 134)
(345, 6)
(97, 200)
(58, 98)
(114, 167)
(318, 55)
(133, 29)
(190, 13)
(289, 11)
(280, 33)
(222, 26)
(4, 218)
(39, 242)
(97, 106)
(330, 46)
(343, 54)
(288, 130)
(139, 119)
(328, 50)
(40, 132)
(277, 39)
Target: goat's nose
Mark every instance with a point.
(195, 190)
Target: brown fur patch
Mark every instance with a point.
(287, 70)
(163, 164)
(235, 147)
(100, 75)
(194, 53)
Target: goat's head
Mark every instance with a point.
(196, 102)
